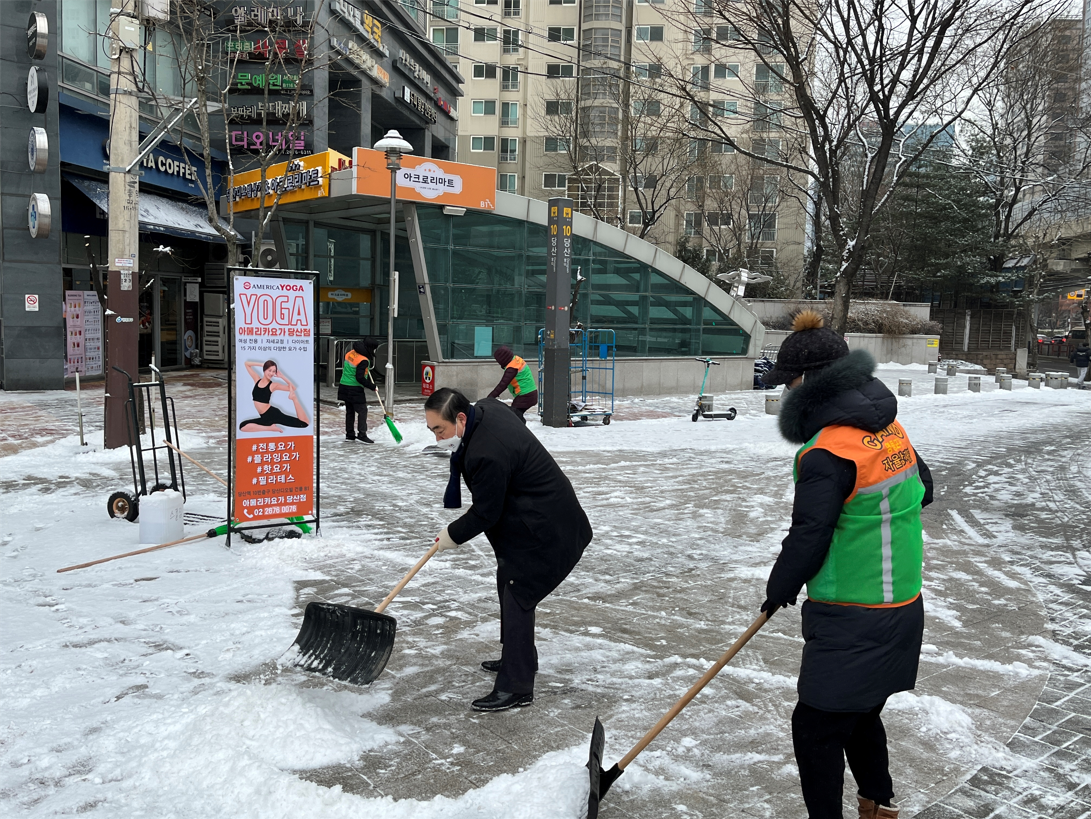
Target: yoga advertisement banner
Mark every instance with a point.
(274, 398)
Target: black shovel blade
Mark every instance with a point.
(600, 780)
(346, 643)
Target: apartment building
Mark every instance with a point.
(580, 98)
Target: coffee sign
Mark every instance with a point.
(37, 35)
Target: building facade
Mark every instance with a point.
(579, 98)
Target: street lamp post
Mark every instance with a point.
(394, 146)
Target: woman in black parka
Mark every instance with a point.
(525, 505)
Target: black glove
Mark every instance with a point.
(769, 607)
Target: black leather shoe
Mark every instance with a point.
(363, 437)
(502, 701)
(492, 666)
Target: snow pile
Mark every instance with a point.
(951, 727)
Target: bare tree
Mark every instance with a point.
(867, 82)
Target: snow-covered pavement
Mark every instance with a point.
(150, 686)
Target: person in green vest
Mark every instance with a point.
(856, 541)
(355, 376)
(518, 379)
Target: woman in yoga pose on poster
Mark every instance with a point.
(269, 417)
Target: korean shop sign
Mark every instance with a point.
(300, 179)
(421, 179)
(418, 103)
(260, 49)
(365, 24)
(358, 56)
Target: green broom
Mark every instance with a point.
(389, 421)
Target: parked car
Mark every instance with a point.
(1059, 340)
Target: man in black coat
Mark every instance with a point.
(526, 507)
(856, 541)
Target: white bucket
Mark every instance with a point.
(161, 517)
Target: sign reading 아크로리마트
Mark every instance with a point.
(274, 398)
(423, 179)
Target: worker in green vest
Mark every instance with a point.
(518, 379)
(355, 376)
(856, 542)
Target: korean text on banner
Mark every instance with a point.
(422, 179)
(274, 398)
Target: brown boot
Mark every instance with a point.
(873, 810)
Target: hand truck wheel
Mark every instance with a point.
(123, 505)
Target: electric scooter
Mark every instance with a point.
(704, 408)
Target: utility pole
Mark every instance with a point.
(122, 321)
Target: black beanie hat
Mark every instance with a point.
(503, 356)
(360, 348)
(810, 347)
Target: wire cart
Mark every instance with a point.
(593, 354)
(124, 504)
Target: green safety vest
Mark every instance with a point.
(523, 383)
(877, 552)
(353, 362)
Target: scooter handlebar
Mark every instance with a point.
(707, 361)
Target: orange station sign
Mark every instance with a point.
(421, 179)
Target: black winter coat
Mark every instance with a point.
(1081, 356)
(522, 502)
(854, 657)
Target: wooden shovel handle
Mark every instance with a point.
(382, 406)
(676, 709)
(196, 463)
(409, 576)
(137, 552)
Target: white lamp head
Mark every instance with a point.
(393, 143)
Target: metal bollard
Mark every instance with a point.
(933, 366)
(999, 372)
(974, 383)
(952, 369)
(1005, 381)
(905, 387)
(941, 385)
(772, 404)
(1034, 380)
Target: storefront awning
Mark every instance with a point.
(157, 213)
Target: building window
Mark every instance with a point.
(763, 146)
(483, 108)
(509, 114)
(711, 253)
(698, 75)
(509, 79)
(562, 2)
(721, 182)
(509, 150)
(646, 2)
(649, 34)
(693, 224)
(445, 9)
(766, 116)
(603, 43)
(556, 71)
(764, 191)
(558, 108)
(647, 108)
(646, 145)
(513, 8)
(486, 2)
(554, 181)
(722, 148)
(557, 145)
(647, 71)
(507, 181)
(724, 108)
(698, 148)
(607, 11)
(561, 34)
(601, 122)
(697, 116)
(486, 35)
(702, 40)
(636, 218)
(512, 43)
(695, 187)
(762, 227)
(767, 258)
(726, 71)
(728, 34)
(446, 39)
(702, 7)
(484, 71)
(600, 86)
(482, 143)
(598, 153)
(718, 220)
(767, 80)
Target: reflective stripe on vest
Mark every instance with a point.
(353, 360)
(876, 555)
(523, 383)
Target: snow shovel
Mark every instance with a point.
(602, 780)
(350, 644)
(389, 421)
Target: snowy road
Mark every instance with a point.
(150, 685)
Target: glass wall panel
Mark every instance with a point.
(485, 231)
(671, 341)
(435, 228)
(609, 309)
(724, 341)
(484, 268)
(486, 305)
(676, 310)
(662, 284)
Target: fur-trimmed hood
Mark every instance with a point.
(844, 393)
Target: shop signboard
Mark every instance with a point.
(307, 177)
(421, 179)
(274, 399)
(359, 57)
(418, 103)
(255, 15)
(365, 24)
(258, 139)
(83, 325)
(258, 77)
(255, 109)
(345, 295)
(260, 49)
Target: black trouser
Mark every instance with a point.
(357, 407)
(822, 740)
(524, 402)
(519, 658)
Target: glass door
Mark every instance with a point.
(169, 322)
